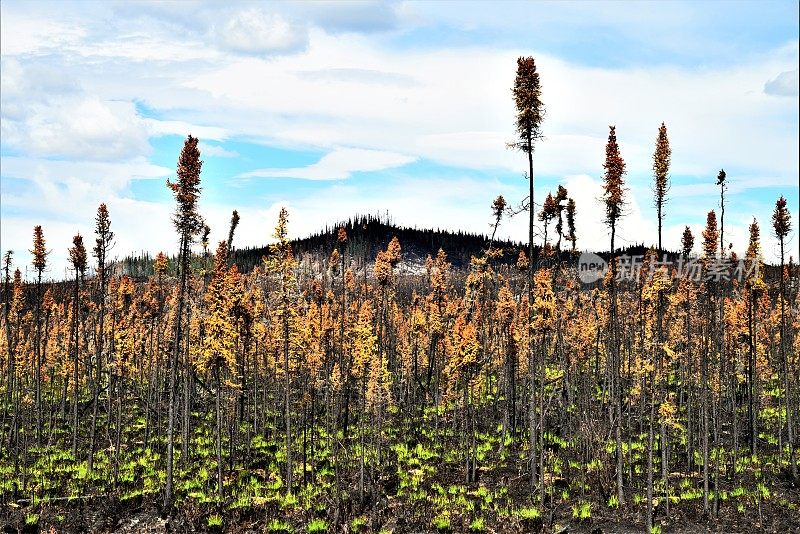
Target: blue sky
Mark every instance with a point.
(333, 109)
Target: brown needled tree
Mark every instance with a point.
(530, 112)
(782, 224)
(548, 213)
(613, 197)
(710, 240)
(77, 257)
(7, 318)
(561, 196)
(103, 243)
(687, 242)
(218, 353)
(231, 231)
(188, 224)
(40, 254)
(723, 186)
(498, 207)
(282, 264)
(661, 160)
(571, 237)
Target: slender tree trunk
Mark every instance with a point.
(659, 204)
(38, 356)
(542, 376)
(187, 385)
(529, 283)
(751, 415)
(616, 389)
(704, 386)
(287, 388)
(98, 364)
(787, 392)
(650, 459)
(218, 432)
(118, 433)
(173, 362)
(9, 339)
(75, 380)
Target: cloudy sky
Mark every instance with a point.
(363, 107)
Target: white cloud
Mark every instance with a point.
(338, 165)
(48, 114)
(182, 128)
(254, 31)
(33, 35)
(357, 75)
(84, 127)
(456, 108)
(784, 84)
(216, 151)
(354, 15)
(109, 172)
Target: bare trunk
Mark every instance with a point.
(287, 386)
(173, 362)
(529, 282)
(76, 348)
(787, 394)
(218, 432)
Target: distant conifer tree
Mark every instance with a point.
(231, 231)
(661, 161)
(571, 237)
(548, 213)
(710, 237)
(103, 243)
(40, 254)
(722, 182)
(782, 225)
(77, 257)
(561, 196)
(687, 242)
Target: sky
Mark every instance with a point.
(336, 109)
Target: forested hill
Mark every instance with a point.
(367, 234)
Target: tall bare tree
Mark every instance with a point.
(530, 113)
(103, 244)
(7, 318)
(661, 160)
(77, 257)
(282, 264)
(188, 224)
(40, 254)
(561, 197)
(614, 199)
(782, 225)
(571, 237)
(231, 231)
(710, 238)
(722, 182)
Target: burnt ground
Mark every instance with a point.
(102, 516)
